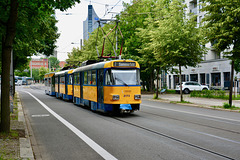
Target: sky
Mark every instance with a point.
(70, 22)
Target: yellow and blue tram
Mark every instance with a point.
(109, 86)
(63, 85)
(49, 81)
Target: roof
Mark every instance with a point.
(106, 64)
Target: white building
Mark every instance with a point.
(214, 70)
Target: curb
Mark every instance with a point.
(194, 105)
(26, 151)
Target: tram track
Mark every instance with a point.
(174, 139)
(204, 125)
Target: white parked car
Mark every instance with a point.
(187, 87)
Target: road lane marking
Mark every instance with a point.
(210, 135)
(40, 115)
(204, 115)
(101, 151)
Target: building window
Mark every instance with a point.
(202, 79)
(170, 84)
(207, 79)
(194, 77)
(216, 79)
(226, 79)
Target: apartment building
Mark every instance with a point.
(38, 63)
(214, 70)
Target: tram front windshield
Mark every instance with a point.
(122, 77)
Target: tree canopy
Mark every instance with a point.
(26, 28)
(53, 62)
(222, 28)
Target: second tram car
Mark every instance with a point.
(63, 85)
(49, 79)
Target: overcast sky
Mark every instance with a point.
(70, 23)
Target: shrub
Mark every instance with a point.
(227, 106)
(209, 94)
(171, 91)
(154, 96)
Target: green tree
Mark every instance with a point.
(131, 19)
(35, 74)
(75, 58)
(222, 26)
(237, 65)
(36, 33)
(25, 73)
(173, 37)
(42, 72)
(9, 11)
(54, 62)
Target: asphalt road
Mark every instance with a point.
(158, 131)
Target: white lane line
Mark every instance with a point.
(102, 152)
(210, 135)
(235, 120)
(40, 115)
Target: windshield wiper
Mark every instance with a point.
(121, 81)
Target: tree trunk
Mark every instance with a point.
(7, 42)
(180, 81)
(231, 84)
(157, 83)
(151, 81)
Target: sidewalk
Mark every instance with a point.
(17, 144)
(26, 151)
(202, 102)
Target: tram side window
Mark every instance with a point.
(100, 77)
(108, 79)
(62, 79)
(85, 78)
(45, 80)
(56, 80)
(75, 78)
(70, 79)
(78, 78)
(93, 77)
(89, 78)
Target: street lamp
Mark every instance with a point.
(78, 43)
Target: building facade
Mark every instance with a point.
(214, 70)
(38, 63)
(62, 64)
(91, 23)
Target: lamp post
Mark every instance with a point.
(78, 43)
(31, 67)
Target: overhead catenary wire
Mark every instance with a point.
(94, 25)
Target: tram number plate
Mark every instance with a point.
(126, 95)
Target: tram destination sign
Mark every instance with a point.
(125, 64)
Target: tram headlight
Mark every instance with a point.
(137, 96)
(115, 97)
